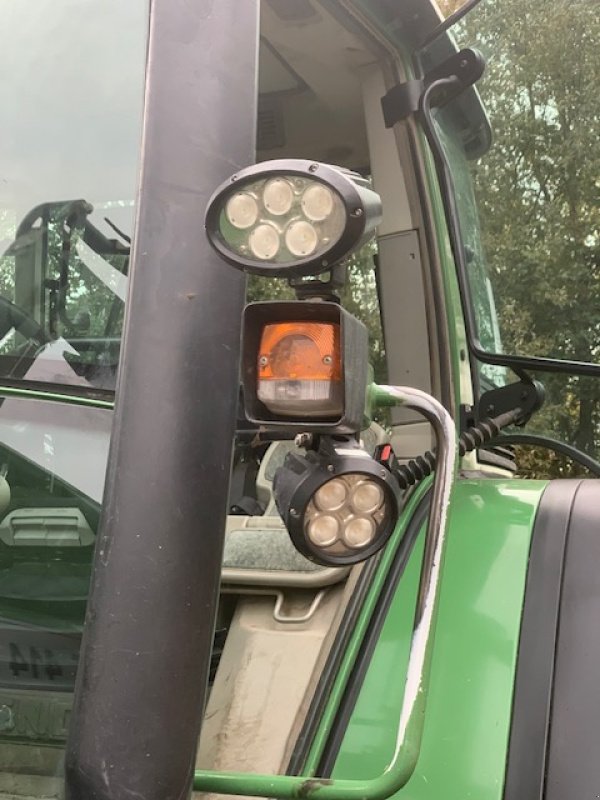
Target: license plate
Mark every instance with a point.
(31, 659)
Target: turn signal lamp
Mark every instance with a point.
(339, 505)
(304, 365)
(300, 369)
(291, 217)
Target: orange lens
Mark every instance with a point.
(300, 351)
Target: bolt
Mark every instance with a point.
(303, 440)
(313, 168)
(358, 212)
(233, 178)
(330, 468)
(383, 473)
(327, 359)
(263, 361)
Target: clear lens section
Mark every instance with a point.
(278, 196)
(332, 495)
(317, 202)
(301, 238)
(307, 397)
(264, 242)
(359, 532)
(367, 497)
(323, 530)
(242, 210)
(358, 504)
(305, 217)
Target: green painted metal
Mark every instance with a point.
(466, 732)
(362, 624)
(55, 397)
(465, 740)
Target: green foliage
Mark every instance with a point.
(538, 191)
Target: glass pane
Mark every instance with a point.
(570, 414)
(52, 463)
(70, 114)
(529, 207)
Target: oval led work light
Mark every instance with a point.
(291, 217)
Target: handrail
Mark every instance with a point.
(412, 714)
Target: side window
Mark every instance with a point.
(528, 206)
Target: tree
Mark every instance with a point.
(538, 191)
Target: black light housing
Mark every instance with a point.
(304, 367)
(291, 217)
(340, 506)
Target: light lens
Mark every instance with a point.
(332, 495)
(359, 532)
(278, 196)
(242, 210)
(323, 530)
(301, 238)
(317, 202)
(367, 497)
(360, 507)
(300, 370)
(282, 219)
(264, 242)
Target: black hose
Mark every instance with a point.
(481, 433)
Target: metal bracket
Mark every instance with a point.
(466, 66)
(527, 395)
(401, 101)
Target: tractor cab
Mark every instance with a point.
(275, 348)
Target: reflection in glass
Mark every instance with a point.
(70, 115)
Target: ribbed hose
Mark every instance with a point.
(484, 431)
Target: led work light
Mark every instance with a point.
(291, 217)
(339, 505)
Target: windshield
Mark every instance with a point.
(70, 116)
(529, 207)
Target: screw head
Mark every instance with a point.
(303, 439)
(327, 359)
(330, 468)
(263, 361)
(358, 212)
(313, 168)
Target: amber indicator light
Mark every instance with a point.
(300, 351)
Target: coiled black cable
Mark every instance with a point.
(482, 432)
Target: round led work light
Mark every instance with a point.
(339, 505)
(291, 217)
